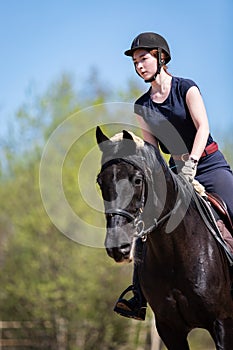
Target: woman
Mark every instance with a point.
(172, 115)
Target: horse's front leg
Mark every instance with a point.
(172, 338)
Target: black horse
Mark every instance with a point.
(184, 272)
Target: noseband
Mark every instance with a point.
(137, 220)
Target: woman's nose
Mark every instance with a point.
(139, 65)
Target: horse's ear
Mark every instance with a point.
(101, 138)
(129, 142)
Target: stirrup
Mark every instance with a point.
(125, 308)
(129, 289)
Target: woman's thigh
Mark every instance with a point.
(219, 181)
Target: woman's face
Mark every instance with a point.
(145, 64)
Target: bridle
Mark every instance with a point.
(137, 220)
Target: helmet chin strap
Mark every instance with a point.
(159, 66)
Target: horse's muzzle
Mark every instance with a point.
(120, 254)
(118, 241)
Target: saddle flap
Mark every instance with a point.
(220, 206)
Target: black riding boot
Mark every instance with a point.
(136, 306)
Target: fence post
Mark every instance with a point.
(61, 333)
(0, 335)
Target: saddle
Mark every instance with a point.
(221, 209)
(223, 220)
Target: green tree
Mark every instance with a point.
(67, 288)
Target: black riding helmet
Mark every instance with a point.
(150, 41)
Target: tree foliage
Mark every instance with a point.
(46, 277)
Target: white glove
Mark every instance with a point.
(199, 188)
(189, 169)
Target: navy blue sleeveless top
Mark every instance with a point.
(170, 121)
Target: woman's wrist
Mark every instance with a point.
(194, 158)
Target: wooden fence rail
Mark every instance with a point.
(13, 325)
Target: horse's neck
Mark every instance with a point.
(179, 212)
(161, 192)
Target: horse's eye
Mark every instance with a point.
(137, 181)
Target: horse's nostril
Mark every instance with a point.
(116, 254)
(125, 249)
(121, 253)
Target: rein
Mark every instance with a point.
(138, 222)
(144, 233)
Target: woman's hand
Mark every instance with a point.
(189, 169)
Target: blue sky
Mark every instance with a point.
(40, 39)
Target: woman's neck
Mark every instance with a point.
(160, 88)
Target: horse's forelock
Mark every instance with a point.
(119, 137)
(146, 156)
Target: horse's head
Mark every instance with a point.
(123, 188)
